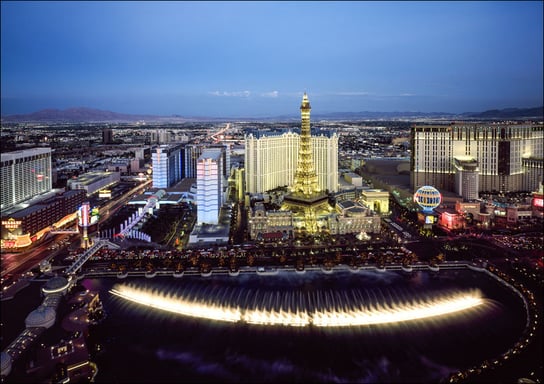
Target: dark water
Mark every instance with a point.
(147, 345)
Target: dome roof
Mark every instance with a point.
(41, 317)
(55, 284)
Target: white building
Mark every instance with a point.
(161, 136)
(167, 167)
(271, 159)
(192, 152)
(466, 177)
(25, 174)
(210, 184)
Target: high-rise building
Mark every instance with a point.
(192, 152)
(466, 177)
(25, 174)
(534, 169)
(501, 150)
(271, 159)
(325, 155)
(107, 136)
(160, 136)
(166, 161)
(210, 185)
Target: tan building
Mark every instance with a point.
(353, 217)
(376, 200)
(263, 222)
(271, 159)
(501, 151)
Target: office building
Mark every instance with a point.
(167, 165)
(24, 174)
(107, 136)
(502, 152)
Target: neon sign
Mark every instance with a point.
(11, 224)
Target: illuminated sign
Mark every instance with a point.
(87, 216)
(8, 243)
(427, 197)
(11, 224)
(84, 214)
(104, 193)
(538, 202)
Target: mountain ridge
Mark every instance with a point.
(92, 115)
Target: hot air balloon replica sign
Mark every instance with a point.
(428, 198)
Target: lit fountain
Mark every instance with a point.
(298, 309)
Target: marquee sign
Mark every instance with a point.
(11, 224)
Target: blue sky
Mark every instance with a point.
(257, 58)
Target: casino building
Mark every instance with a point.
(469, 157)
(21, 227)
(24, 174)
(308, 166)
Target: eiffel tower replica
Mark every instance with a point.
(306, 200)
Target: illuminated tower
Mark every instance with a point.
(308, 203)
(305, 183)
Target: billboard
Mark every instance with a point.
(87, 216)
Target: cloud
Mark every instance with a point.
(352, 93)
(407, 94)
(231, 94)
(270, 94)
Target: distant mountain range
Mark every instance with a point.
(89, 115)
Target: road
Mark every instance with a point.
(18, 263)
(110, 208)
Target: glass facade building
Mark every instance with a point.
(167, 167)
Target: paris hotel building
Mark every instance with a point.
(271, 159)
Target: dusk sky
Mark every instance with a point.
(255, 59)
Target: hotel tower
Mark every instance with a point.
(273, 157)
(469, 158)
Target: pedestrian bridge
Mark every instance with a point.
(78, 263)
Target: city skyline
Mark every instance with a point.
(256, 59)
